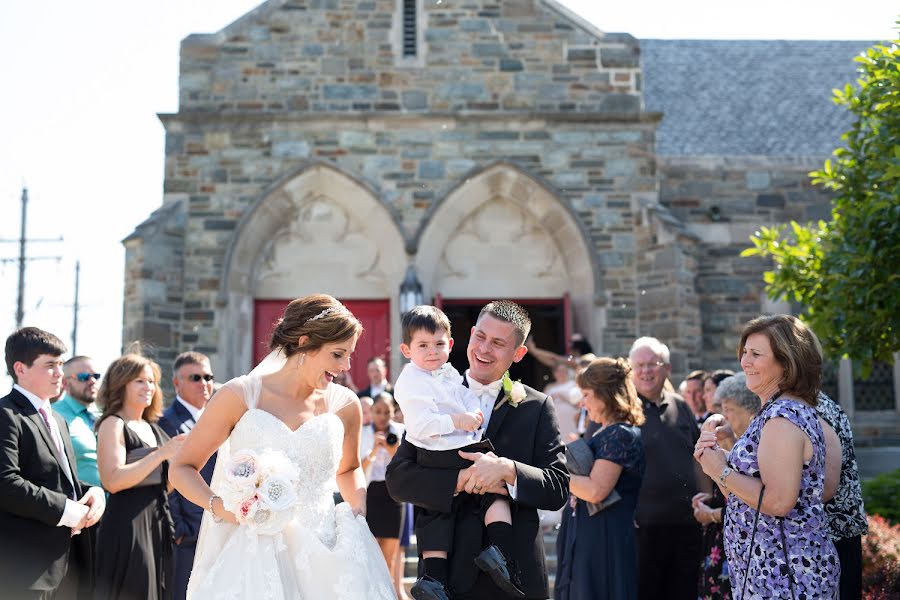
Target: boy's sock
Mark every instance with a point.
(436, 568)
(501, 535)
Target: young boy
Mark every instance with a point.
(442, 417)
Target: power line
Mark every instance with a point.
(23, 258)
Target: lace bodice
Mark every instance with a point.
(324, 551)
(315, 449)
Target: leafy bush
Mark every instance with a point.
(881, 495)
(844, 272)
(881, 560)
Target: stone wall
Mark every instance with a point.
(224, 164)
(290, 56)
(722, 201)
(154, 279)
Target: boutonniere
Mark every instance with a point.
(513, 391)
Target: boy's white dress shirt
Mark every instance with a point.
(428, 399)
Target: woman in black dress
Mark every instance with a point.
(384, 514)
(135, 540)
(597, 554)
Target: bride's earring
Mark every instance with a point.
(302, 358)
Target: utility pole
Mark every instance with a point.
(23, 259)
(75, 318)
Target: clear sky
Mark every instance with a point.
(84, 79)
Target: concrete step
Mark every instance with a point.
(411, 560)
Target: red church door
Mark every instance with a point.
(375, 341)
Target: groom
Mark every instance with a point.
(528, 465)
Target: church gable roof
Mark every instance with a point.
(470, 55)
(748, 97)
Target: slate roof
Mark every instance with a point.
(740, 97)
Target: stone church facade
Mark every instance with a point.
(500, 149)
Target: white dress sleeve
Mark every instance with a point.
(338, 396)
(247, 387)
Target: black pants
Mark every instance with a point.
(849, 552)
(184, 563)
(668, 561)
(434, 530)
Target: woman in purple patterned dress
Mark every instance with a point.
(784, 448)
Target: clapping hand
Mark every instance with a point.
(702, 512)
(170, 448)
(708, 453)
(719, 425)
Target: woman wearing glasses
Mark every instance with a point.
(134, 556)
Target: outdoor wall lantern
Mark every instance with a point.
(410, 291)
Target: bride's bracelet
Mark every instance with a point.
(216, 518)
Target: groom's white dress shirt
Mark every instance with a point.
(488, 396)
(428, 399)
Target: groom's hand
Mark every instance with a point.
(488, 473)
(462, 479)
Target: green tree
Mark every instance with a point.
(846, 272)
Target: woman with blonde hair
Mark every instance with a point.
(777, 477)
(596, 550)
(134, 543)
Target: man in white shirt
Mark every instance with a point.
(43, 504)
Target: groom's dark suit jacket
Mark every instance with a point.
(35, 554)
(527, 434)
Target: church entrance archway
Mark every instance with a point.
(504, 234)
(319, 230)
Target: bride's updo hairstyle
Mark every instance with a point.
(320, 317)
(610, 380)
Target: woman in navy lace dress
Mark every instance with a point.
(783, 449)
(596, 554)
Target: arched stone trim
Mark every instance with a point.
(280, 220)
(543, 208)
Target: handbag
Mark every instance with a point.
(155, 477)
(787, 562)
(580, 461)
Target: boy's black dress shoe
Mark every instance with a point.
(426, 588)
(503, 572)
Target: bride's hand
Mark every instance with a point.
(358, 511)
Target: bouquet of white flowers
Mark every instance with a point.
(261, 489)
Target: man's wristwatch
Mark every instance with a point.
(725, 473)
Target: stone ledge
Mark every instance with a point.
(374, 116)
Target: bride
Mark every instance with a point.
(286, 542)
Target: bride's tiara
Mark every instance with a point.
(326, 312)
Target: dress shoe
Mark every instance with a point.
(500, 570)
(426, 588)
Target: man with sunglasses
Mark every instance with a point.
(80, 384)
(193, 381)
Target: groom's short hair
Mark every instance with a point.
(430, 318)
(510, 312)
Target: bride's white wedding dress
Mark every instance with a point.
(323, 553)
